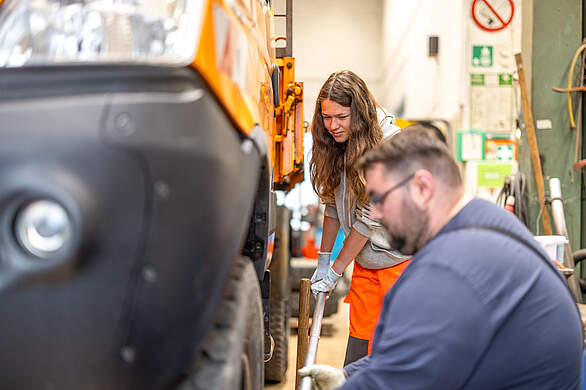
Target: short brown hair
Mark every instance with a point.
(414, 149)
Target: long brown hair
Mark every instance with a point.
(327, 156)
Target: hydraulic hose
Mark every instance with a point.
(570, 77)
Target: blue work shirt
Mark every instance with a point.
(475, 310)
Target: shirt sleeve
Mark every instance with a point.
(330, 210)
(361, 228)
(432, 331)
(357, 365)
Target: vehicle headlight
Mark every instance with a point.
(49, 32)
(43, 227)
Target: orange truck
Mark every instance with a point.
(141, 145)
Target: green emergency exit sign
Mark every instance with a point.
(482, 56)
(505, 79)
(491, 79)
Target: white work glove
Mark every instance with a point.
(323, 265)
(324, 377)
(327, 283)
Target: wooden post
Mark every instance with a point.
(535, 161)
(302, 326)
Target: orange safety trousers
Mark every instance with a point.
(367, 291)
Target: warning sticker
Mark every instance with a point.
(493, 15)
(493, 175)
(477, 79)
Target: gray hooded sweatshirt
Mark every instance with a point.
(377, 252)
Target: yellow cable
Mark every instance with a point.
(570, 77)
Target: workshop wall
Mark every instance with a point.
(415, 84)
(387, 43)
(331, 37)
(467, 81)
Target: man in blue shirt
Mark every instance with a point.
(480, 306)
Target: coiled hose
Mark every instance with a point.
(514, 193)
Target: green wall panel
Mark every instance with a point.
(557, 34)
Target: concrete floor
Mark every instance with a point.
(331, 349)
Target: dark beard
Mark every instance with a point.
(411, 239)
(396, 241)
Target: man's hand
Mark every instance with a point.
(323, 265)
(326, 284)
(324, 377)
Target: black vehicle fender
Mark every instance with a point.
(172, 184)
(260, 236)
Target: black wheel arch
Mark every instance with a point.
(260, 236)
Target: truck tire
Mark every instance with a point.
(279, 326)
(232, 353)
(276, 368)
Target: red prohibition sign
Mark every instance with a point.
(492, 15)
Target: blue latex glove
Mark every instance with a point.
(323, 265)
(326, 284)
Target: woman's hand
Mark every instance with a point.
(327, 284)
(323, 265)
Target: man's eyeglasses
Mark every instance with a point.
(380, 199)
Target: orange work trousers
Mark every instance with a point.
(366, 295)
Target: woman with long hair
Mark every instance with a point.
(346, 123)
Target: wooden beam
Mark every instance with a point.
(535, 161)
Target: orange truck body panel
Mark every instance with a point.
(235, 56)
